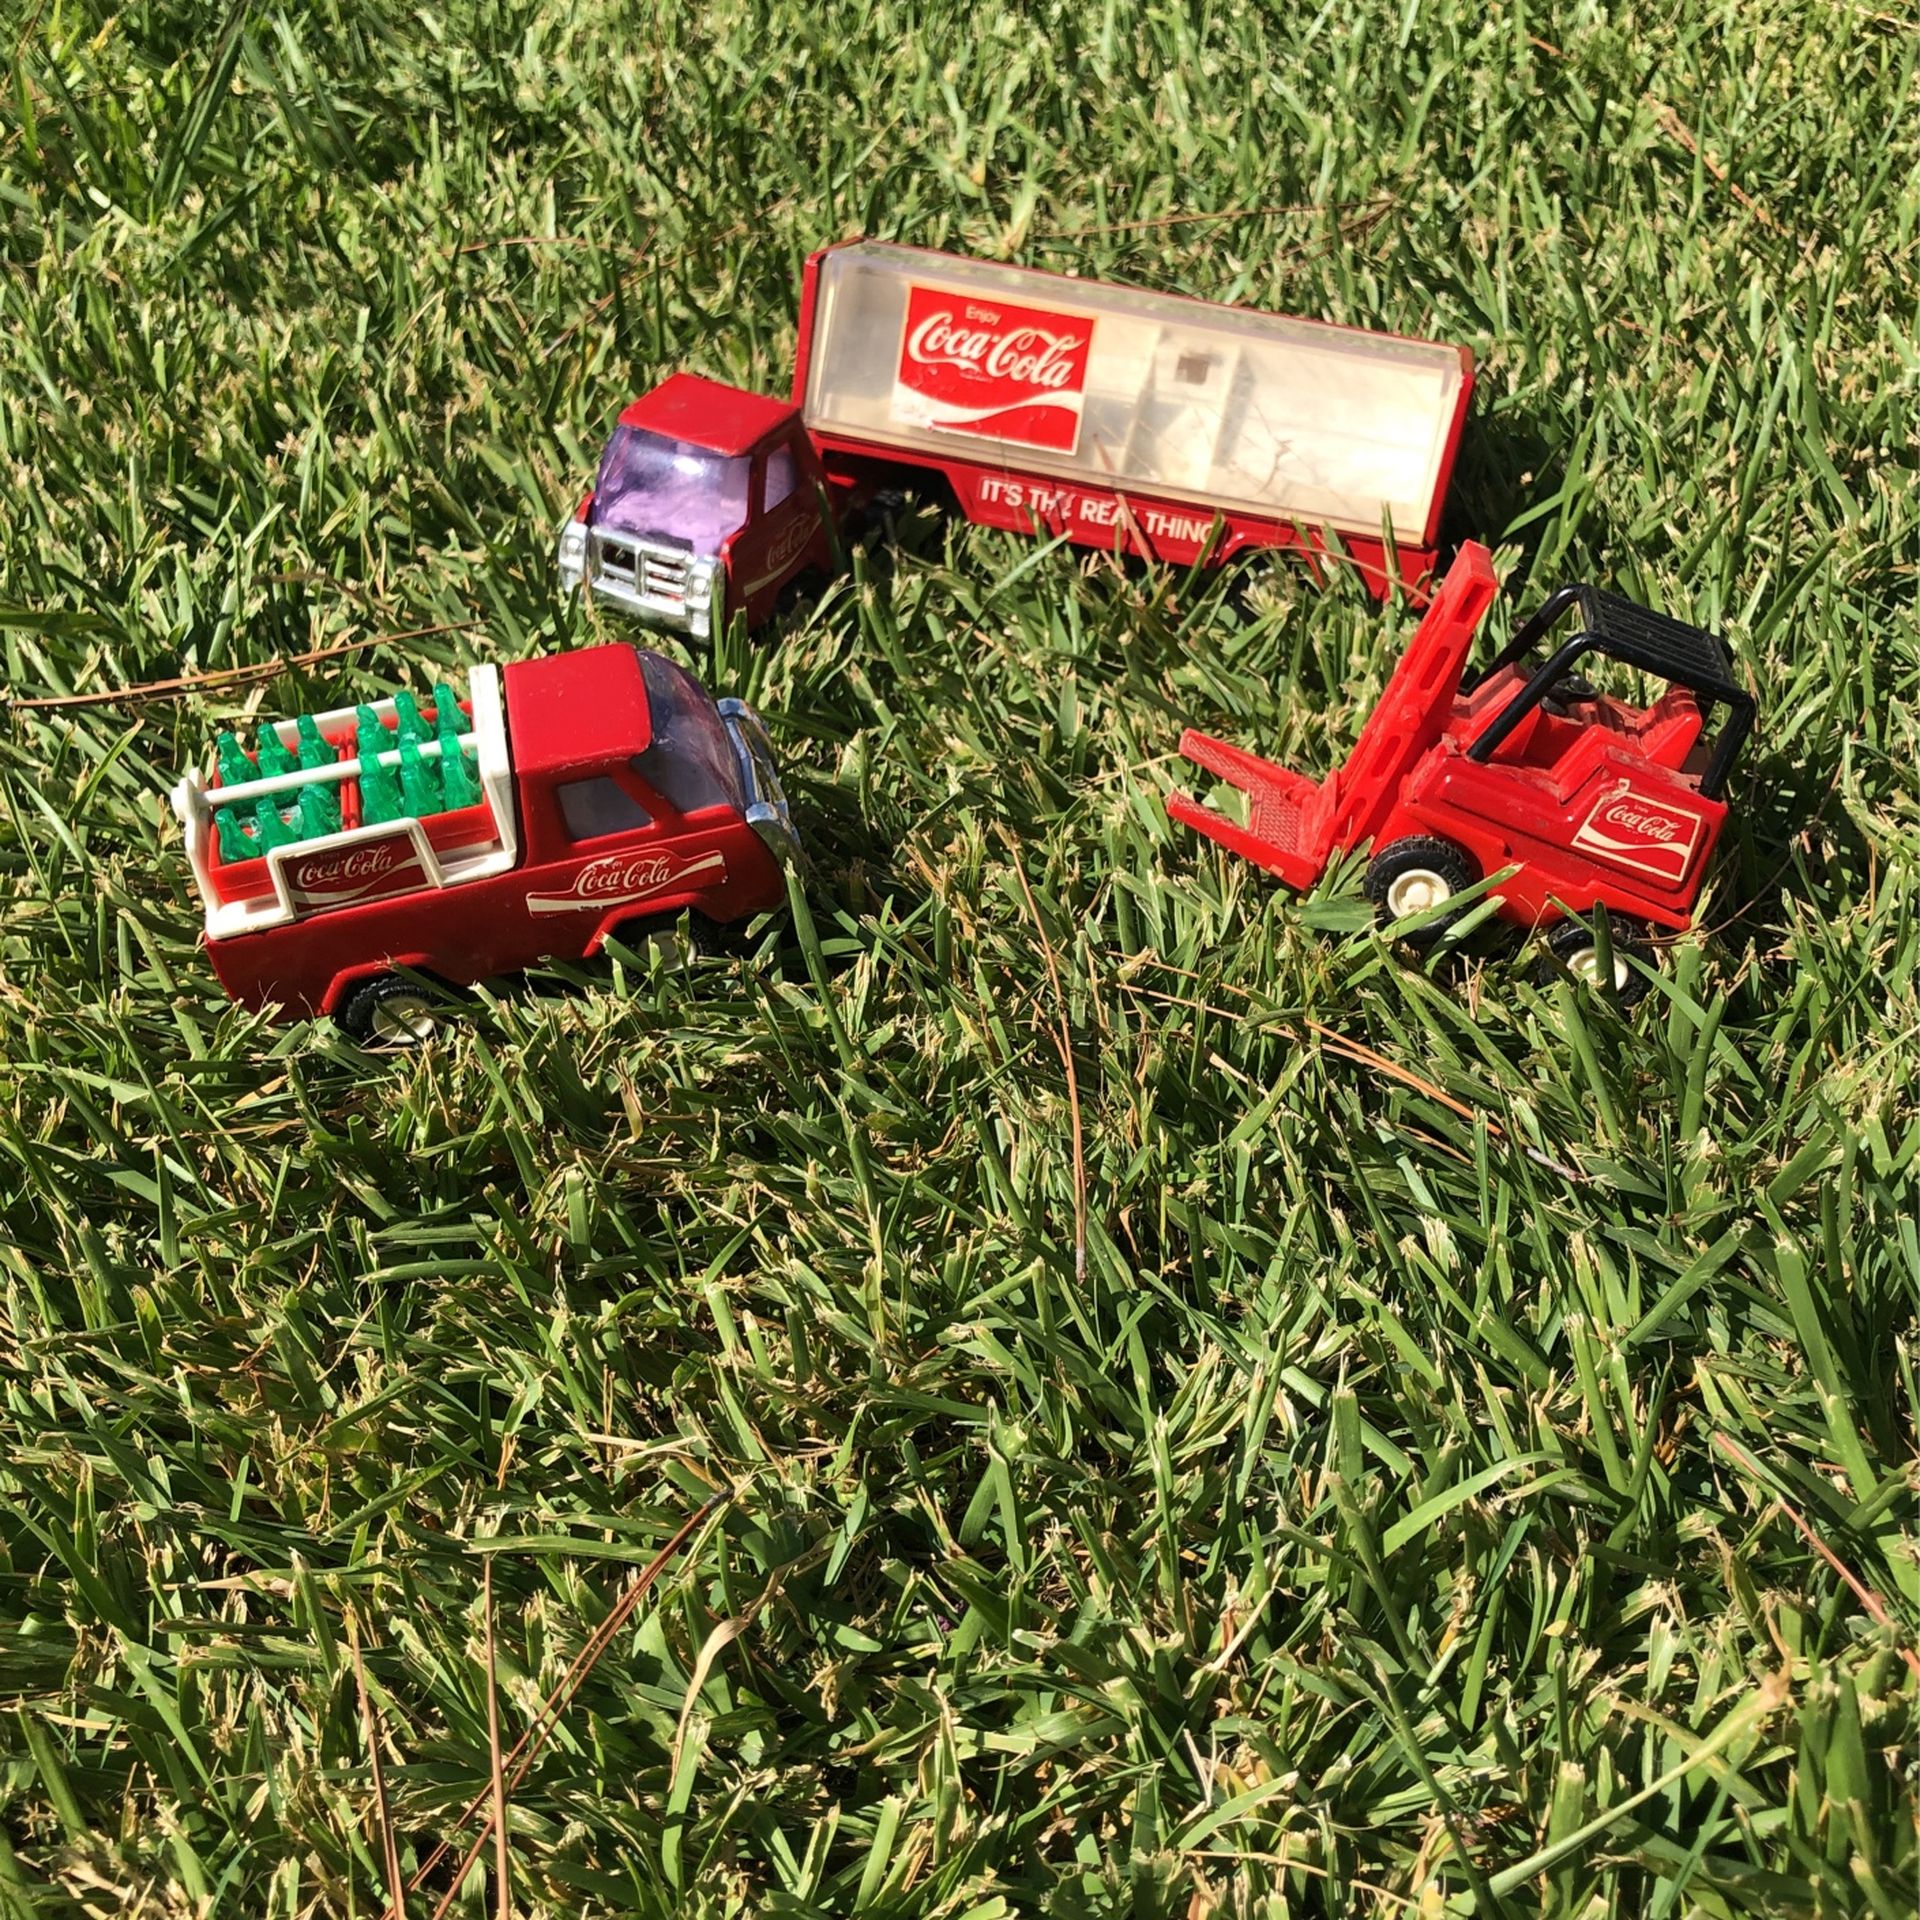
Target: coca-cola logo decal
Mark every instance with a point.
(781, 551)
(619, 879)
(992, 369)
(1652, 835)
(342, 875)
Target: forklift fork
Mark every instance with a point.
(1287, 814)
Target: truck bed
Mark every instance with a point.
(360, 860)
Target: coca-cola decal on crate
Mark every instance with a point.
(344, 876)
(1654, 836)
(619, 879)
(992, 369)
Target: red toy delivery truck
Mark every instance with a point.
(1596, 803)
(1123, 419)
(564, 800)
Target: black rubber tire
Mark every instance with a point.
(371, 1012)
(1569, 942)
(1423, 853)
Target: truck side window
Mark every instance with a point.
(599, 806)
(782, 475)
(683, 779)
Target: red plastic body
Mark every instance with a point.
(569, 717)
(1599, 806)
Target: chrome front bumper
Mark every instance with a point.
(767, 811)
(663, 585)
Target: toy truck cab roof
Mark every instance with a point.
(707, 414)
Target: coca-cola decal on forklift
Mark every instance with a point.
(1632, 829)
(992, 369)
(345, 876)
(619, 879)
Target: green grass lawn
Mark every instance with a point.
(1216, 1418)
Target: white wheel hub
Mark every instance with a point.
(1584, 964)
(405, 1020)
(670, 946)
(1417, 890)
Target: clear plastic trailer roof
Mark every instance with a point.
(1248, 412)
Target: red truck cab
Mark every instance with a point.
(564, 801)
(707, 499)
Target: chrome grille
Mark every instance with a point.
(653, 573)
(663, 576)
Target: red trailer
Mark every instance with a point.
(1455, 777)
(564, 801)
(1138, 422)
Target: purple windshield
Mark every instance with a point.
(649, 484)
(690, 760)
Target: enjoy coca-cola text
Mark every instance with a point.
(991, 369)
(1021, 352)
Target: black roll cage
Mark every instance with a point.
(1617, 629)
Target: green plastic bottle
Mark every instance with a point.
(319, 811)
(234, 764)
(314, 751)
(446, 710)
(456, 776)
(457, 783)
(379, 795)
(272, 754)
(269, 830)
(418, 786)
(235, 845)
(412, 723)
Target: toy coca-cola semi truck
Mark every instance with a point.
(564, 801)
(1133, 421)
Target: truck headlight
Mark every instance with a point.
(573, 552)
(700, 582)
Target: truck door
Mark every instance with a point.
(618, 851)
(783, 524)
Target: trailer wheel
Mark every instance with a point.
(1415, 875)
(391, 1011)
(1573, 947)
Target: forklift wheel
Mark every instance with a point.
(1573, 947)
(1414, 875)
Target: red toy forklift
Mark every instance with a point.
(1592, 802)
